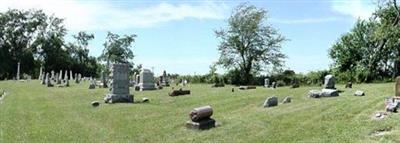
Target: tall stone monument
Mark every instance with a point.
(147, 80)
(164, 79)
(329, 82)
(119, 86)
(18, 71)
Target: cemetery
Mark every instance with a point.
(58, 83)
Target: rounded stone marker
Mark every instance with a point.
(144, 100)
(95, 103)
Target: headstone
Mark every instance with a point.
(40, 73)
(119, 86)
(179, 92)
(164, 79)
(70, 75)
(52, 75)
(95, 103)
(18, 71)
(314, 93)
(76, 78)
(329, 82)
(144, 99)
(92, 84)
(287, 99)
(103, 79)
(397, 88)
(274, 84)
(58, 80)
(60, 75)
(200, 118)
(295, 83)
(270, 102)
(266, 82)
(359, 93)
(349, 85)
(43, 78)
(329, 93)
(48, 81)
(147, 80)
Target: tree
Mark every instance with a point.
(249, 44)
(371, 50)
(117, 49)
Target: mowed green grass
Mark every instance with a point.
(34, 113)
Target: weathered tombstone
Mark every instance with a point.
(95, 103)
(103, 79)
(274, 84)
(119, 86)
(48, 81)
(164, 79)
(18, 71)
(329, 82)
(179, 92)
(314, 94)
(76, 78)
(397, 88)
(70, 75)
(329, 93)
(92, 84)
(359, 93)
(58, 80)
(43, 78)
(60, 75)
(147, 80)
(40, 73)
(349, 85)
(200, 118)
(52, 75)
(270, 102)
(295, 83)
(266, 82)
(287, 99)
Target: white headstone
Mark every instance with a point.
(147, 80)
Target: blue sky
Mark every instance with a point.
(177, 36)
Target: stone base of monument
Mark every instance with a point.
(113, 98)
(329, 93)
(201, 125)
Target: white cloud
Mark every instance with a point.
(306, 20)
(355, 8)
(117, 15)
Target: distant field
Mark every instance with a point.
(34, 113)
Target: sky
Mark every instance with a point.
(178, 36)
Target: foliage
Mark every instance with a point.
(249, 44)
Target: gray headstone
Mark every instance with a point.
(314, 93)
(266, 82)
(270, 102)
(287, 99)
(329, 93)
(359, 93)
(329, 82)
(119, 86)
(147, 80)
(18, 71)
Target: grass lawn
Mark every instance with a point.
(34, 113)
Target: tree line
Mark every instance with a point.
(36, 40)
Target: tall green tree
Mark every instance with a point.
(117, 49)
(249, 44)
